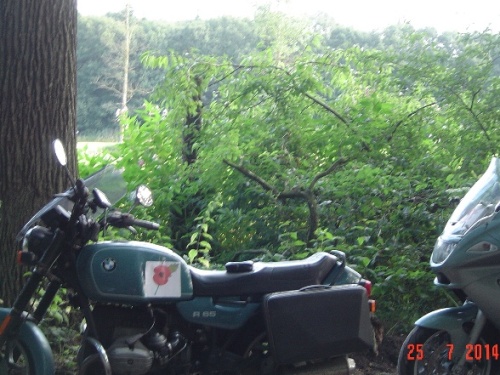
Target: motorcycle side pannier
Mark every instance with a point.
(318, 322)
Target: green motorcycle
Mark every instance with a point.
(148, 312)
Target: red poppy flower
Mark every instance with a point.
(162, 274)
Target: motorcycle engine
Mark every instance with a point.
(129, 356)
(135, 339)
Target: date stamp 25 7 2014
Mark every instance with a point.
(473, 352)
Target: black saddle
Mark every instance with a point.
(262, 277)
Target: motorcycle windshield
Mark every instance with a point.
(109, 180)
(478, 204)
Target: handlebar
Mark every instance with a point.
(146, 224)
(125, 220)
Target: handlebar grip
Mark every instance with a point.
(146, 224)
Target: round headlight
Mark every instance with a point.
(37, 239)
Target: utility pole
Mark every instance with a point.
(128, 36)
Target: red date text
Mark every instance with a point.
(473, 352)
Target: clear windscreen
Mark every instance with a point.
(479, 203)
(109, 180)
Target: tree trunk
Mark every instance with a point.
(192, 126)
(37, 105)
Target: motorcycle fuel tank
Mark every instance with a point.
(133, 272)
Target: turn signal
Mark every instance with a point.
(26, 258)
(372, 305)
(5, 323)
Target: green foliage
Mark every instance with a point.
(199, 246)
(60, 327)
(90, 161)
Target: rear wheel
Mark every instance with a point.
(427, 351)
(257, 358)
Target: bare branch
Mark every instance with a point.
(327, 107)
(292, 194)
(296, 193)
(214, 83)
(473, 113)
(399, 123)
(248, 173)
(335, 165)
(308, 95)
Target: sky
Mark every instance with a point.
(363, 15)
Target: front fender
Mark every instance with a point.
(451, 320)
(36, 345)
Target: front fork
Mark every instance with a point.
(452, 320)
(474, 334)
(13, 321)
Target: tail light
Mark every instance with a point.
(367, 284)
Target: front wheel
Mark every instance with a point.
(15, 359)
(427, 351)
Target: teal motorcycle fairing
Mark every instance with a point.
(36, 345)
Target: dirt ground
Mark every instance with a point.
(382, 364)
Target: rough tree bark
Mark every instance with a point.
(37, 105)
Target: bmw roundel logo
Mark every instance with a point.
(109, 264)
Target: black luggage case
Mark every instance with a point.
(318, 322)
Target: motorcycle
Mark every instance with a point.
(465, 259)
(147, 311)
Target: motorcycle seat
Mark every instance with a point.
(264, 277)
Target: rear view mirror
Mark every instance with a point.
(60, 152)
(143, 196)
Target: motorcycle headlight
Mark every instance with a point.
(442, 249)
(37, 240)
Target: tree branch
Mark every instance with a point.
(399, 123)
(327, 107)
(308, 95)
(291, 194)
(248, 173)
(335, 165)
(476, 117)
(296, 193)
(216, 82)
(473, 114)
